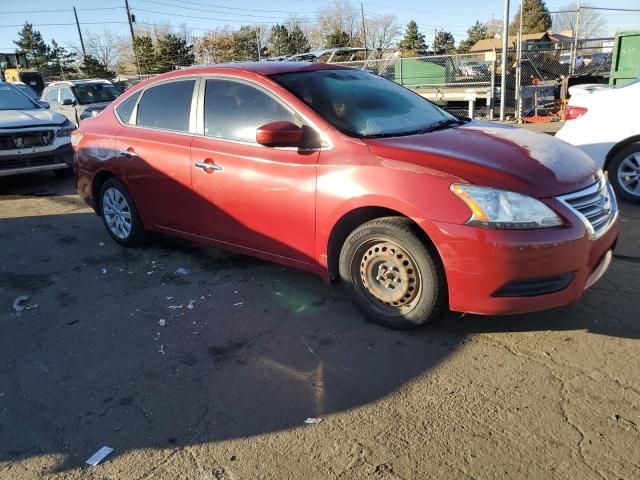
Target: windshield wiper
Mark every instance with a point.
(439, 125)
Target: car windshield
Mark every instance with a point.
(96, 92)
(27, 90)
(361, 104)
(12, 99)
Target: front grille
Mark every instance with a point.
(18, 140)
(595, 205)
(11, 163)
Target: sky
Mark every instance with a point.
(201, 15)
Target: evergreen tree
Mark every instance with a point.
(298, 42)
(478, 31)
(172, 51)
(146, 54)
(32, 44)
(337, 38)
(444, 43)
(60, 61)
(245, 43)
(279, 40)
(536, 18)
(413, 43)
(92, 68)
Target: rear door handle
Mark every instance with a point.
(129, 153)
(208, 166)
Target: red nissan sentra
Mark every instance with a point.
(346, 174)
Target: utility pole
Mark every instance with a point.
(364, 31)
(505, 44)
(84, 53)
(133, 36)
(519, 68)
(258, 42)
(575, 41)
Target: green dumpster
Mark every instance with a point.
(625, 61)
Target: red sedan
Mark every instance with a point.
(343, 173)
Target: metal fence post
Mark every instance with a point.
(401, 82)
(492, 93)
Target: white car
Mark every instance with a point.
(603, 121)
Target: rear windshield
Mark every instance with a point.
(362, 104)
(12, 99)
(96, 92)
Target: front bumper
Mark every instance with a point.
(479, 262)
(28, 160)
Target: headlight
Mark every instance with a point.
(65, 129)
(502, 209)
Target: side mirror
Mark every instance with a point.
(68, 101)
(279, 134)
(43, 104)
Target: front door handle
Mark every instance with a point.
(129, 153)
(208, 166)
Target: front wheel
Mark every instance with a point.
(624, 173)
(392, 276)
(119, 214)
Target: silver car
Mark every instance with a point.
(80, 99)
(32, 138)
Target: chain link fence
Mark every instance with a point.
(469, 84)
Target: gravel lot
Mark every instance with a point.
(221, 391)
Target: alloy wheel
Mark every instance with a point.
(117, 213)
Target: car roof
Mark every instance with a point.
(261, 68)
(88, 81)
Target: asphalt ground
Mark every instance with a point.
(222, 390)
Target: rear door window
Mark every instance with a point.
(166, 106)
(65, 94)
(125, 109)
(234, 110)
(52, 95)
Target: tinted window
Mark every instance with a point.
(234, 110)
(12, 99)
(126, 108)
(96, 92)
(166, 106)
(65, 94)
(52, 95)
(362, 104)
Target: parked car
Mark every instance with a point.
(603, 122)
(470, 68)
(32, 139)
(565, 59)
(80, 99)
(351, 176)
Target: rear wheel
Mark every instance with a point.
(624, 173)
(392, 276)
(119, 214)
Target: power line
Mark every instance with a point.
(226, 8)
(61, 11)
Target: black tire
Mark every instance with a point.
(136, 233)
(614, 170)
(421, 293)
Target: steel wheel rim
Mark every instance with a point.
(117, 213)
(389, 275)
(629, 174)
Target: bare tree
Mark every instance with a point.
(382, 32)
(104, 47)
(592, 23)
(494, 27)
(340, 16)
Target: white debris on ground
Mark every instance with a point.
(313, 420)
(100, 455)
(181, 271)
(190, 306)
(18, 304)
(162, 322)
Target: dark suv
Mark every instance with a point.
(80, 99)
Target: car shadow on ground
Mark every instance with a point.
(262, 347)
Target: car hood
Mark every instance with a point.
(495, 155)
(29, 118)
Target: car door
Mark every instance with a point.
(154, 154)
(256, 197)
(68, 110)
